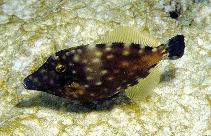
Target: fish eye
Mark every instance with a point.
(60, 68)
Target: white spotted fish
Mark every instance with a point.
(121, 59)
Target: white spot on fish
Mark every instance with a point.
(154, 49)
(54, 57)
(125, 53)
(140, 51)
(73, 71)
(110, 56)
(84, 61)
(92, 94)
(89, 78)
(96, 60)
(76, 58)
(118, 88)
(86, 86)
(116, 92)
(70, 64)
(72, 51)
(137, 80)
(68, 53)
(98, 83)
(110, 78)
(30, 78)
(79, 51)
(89, 69)
(35, 79)
(42, 71)
(108, 48)
(98, 54)
(103, 72)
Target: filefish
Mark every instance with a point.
(121, 59)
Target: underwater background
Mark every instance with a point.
(31, 30)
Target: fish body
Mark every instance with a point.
(96, 72)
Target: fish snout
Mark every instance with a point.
(28, 83)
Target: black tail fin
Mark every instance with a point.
(175, 47)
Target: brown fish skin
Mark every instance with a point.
(94, 73)
(123, 65)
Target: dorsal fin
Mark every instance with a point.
(129, 35)
(145, 86)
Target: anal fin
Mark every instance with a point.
(145, 86)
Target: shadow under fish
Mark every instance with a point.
(168, 75)
(124, 59)
(58, 103)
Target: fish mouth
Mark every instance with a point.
(28, 84)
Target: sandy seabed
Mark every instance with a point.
(31, 30)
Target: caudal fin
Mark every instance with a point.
(175, 47)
